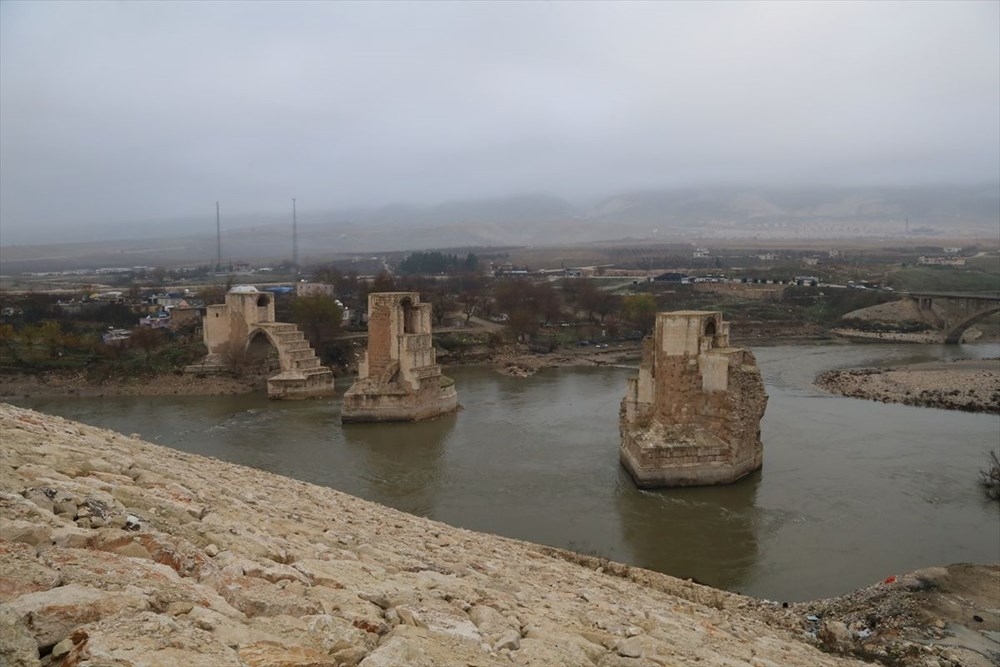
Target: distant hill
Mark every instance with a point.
(976, 206)
(686, 214)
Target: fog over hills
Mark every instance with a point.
(684, 214)
(500, 220)
(408, 125)
(930, 205)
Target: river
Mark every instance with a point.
(851, 490)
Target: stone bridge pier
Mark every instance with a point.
(953, 313)
(691, 416)
(243, 329)
(399, 378)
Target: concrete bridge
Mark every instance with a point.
(954, 312)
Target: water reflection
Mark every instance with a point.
(707, 533)
(399, 464)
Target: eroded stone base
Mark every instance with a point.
(668, 465)
(292, 385)
(388, 404)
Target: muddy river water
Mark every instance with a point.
(851, 490)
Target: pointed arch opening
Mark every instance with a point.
(261, 353)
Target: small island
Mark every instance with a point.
(972, 385)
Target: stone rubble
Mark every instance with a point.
(116, 551)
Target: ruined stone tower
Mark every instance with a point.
(398, 378)
(244, 327)
(692, 416)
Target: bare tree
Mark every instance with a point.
(236, 358)
(990, 477)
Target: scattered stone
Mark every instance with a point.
(17, 645)
(511, 640)
(629, 648)
(835, 636)
(62, 648)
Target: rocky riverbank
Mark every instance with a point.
(78, 384)
(517, 360)
(117, 551)
(972, 385)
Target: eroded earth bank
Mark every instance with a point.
(114, 551)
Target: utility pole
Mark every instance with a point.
(218, 240)
(295, 240)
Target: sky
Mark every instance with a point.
(148, 111)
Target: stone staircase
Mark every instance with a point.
(301, 373)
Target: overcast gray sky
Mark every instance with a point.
(124, 110)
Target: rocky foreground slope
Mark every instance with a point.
(114, 551)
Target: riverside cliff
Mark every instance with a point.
(117, 551)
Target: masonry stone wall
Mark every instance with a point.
(247, 315)
(692, 416)
(398, 376)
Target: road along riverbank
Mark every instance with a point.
(116, 550)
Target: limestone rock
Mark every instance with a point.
(835, 635)
(275, 654)
(51, 615)
(629, 648)
(157, 641)
(510, 640)
(14, 530)
(17, 645)
(489, 621)
(23, 572)
(258, 597)
(304, 575)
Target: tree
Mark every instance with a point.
(330, 275)
(606, 304)
(527, 304)
(8, 339)
(133, 295)
(471, 264)
(990, 477)
(320, 318)
(51, 335)
(586, 295)
(147, 339)
(508, 295)
(212, 294)
(236, 358)
(640, 310)
(383, 282)
(471, 291)
(546, 301)
(441, 303)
